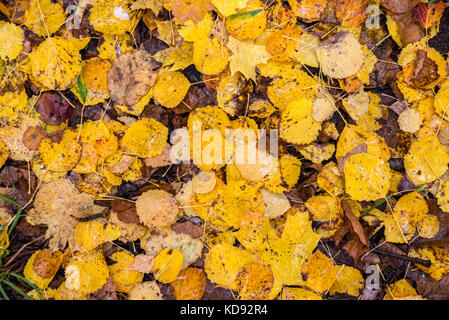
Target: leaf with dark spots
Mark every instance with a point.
(217, 293)
(398, 107)
(428, 14)
(53, 108)
(131, 77)
(81, 88)
(342, 231)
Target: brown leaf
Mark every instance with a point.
(354, 248)
(161, 160)
(399, 6)
(442, 236)
(131, 77)
(28, 230)
(398, 107)
(421, 71)
(402, 12)
(344, 229)
(53, 108)
(108, 249)
(126, 211)
(432, 289)
(46, 264)
(356, 225)
(142, 263)
(188, 228)
(33, 136)
(108, 292)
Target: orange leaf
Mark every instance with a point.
(351, 13)
(428, 14)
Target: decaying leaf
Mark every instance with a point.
(156, 208)
(340, 56)
(131, 77)
(58, 205)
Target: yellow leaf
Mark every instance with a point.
(156, 208)
(401, 290)
(319, 272)
(324, 208)
(55, 64)
(170, 88)
(190, 248)
(367, 177)
(190, 284)
(439, 259)
(61, 156)
(254, 281)
(223, 263)
(167, 265)
(113, 16)
(91, 234)
(297, 124)
(210, 56)
(124, 278)
(59, 204)
(229, 7)
(148, 290)
(11, 40)
(241, 50)
(42, 266)
(426, 160)
(349, 281)
(249, 23)
(178, 57)
(86, 272)
(44, 17)
(145, 138)
(291, 293)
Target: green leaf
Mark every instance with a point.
(380, 202)
(18, 290)
(7, 199)
(3, 293)
(245, 15)
(14, 222)
(17, 217)
(81, 88)
(32, 285)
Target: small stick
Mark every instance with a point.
(425, 263)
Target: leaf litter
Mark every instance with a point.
(86, 123)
